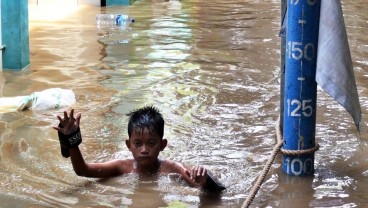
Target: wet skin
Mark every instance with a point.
(145, 148)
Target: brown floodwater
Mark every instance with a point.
(212, 68)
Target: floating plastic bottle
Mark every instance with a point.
(113, 21)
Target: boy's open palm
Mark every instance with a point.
(68, 124)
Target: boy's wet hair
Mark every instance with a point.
(147, 117)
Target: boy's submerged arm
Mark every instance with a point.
(211, 184)
(94, 170)
(169, 166)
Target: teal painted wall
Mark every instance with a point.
(119, 2)
(15, 34)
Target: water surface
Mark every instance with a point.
(212, 68)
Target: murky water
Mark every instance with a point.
(212, 68)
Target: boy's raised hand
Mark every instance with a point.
(68, 124)
(68, 132)
(198, 175)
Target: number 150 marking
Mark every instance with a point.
(304, 106)
(310, 2)
(296, 51)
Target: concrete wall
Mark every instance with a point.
(119, 2)
(1, 45)
(15, 35)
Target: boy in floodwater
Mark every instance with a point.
(146, 131)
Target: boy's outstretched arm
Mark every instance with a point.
(94, 170)
(70, 137)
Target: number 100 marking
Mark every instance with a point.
(305, 168)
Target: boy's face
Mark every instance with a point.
(145, 146)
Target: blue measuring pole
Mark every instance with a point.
(300, 86)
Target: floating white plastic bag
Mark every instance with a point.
(53, 98)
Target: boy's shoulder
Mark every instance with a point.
(124, 165)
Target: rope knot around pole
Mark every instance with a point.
(300, 152)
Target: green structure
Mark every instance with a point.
(116, 2)
(15, 34)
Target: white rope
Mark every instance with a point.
(265, 170)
